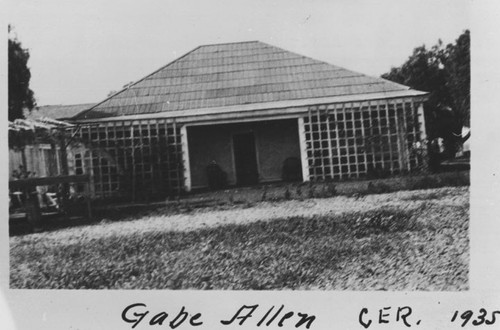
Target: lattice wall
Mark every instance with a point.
(352, 140)
(140, 159)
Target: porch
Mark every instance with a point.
(246, 153)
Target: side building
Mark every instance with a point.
(41, 158)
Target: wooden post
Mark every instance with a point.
(371, 136)
(400, 138)
(320, 141)
(329, 136)
(89, 206)
(185, 158)
(312, 177)
(380, 137)
(178, 162)
(64, 169)
(303, 149)
(337, 139)
(54, 162)
(132, 143)
(405, 149)
(23, 158)
(168, 161)
(356, 162)
(363, 134)
(32, 207)
(347, 174)
(389, 136)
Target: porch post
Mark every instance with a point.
(303, 149)
(185, 158)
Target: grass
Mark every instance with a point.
(247, 197)
(417, 241)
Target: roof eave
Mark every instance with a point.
(264, 106)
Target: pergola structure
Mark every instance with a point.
(44, 130)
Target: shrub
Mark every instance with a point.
(378, 188)
(217, 178)
(377, 172)
(331, 189)
(264, 194)
(298, 191)
(311, 191)
(292, 170)
(425, 182)
(456, 179)
(287, 193)
(187, 207)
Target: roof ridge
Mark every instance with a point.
(232, 43)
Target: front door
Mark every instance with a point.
(245, 159)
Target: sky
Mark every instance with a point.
(82, 50)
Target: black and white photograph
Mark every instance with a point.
(175, 147)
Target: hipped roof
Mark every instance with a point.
(232, 74)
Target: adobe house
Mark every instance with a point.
(249, 107)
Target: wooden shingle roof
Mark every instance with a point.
(59, 112)
(235, 74)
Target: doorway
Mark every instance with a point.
(245, 159)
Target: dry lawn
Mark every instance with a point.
(407, 240)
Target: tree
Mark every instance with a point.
(21, 97)
(444, 72)
(457, 64)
